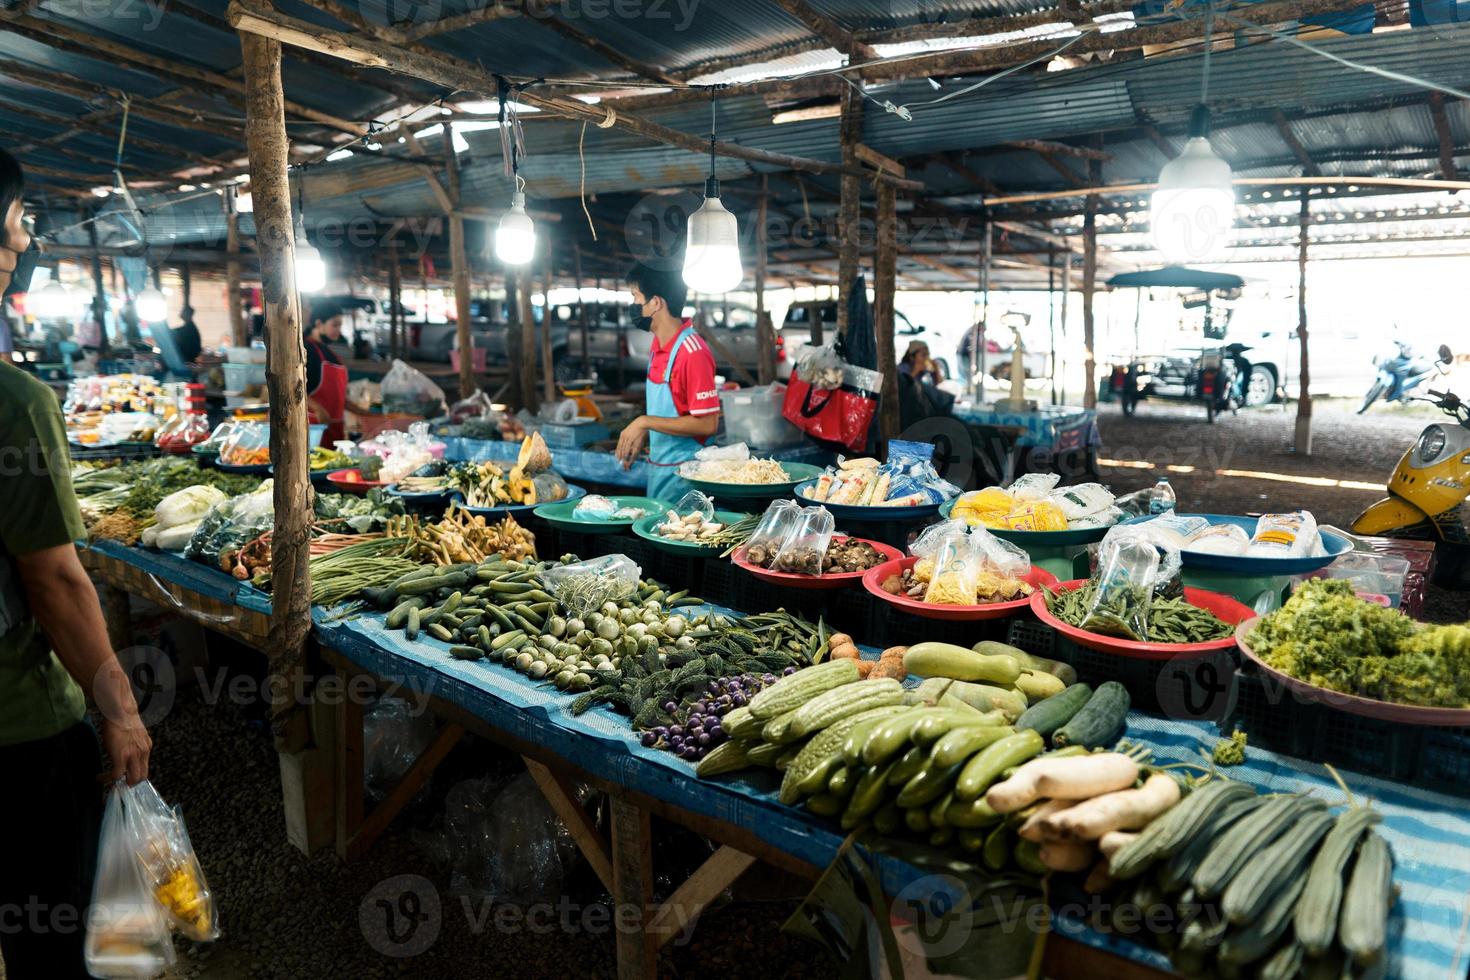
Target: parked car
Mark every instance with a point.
(796, 333)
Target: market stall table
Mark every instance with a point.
(1063, 438)
(1429, 832)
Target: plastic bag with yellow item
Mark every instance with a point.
(170, 867)
(983, 506)
(1038, 515)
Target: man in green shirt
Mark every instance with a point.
(54, 653)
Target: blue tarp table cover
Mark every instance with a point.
(1429, 832)
(595, 466)
(1059, 428)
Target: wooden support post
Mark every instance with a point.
(269, 147)
(514, 352)
(530, 397)
(765, 333)
(373, 824)
(460, 266)
(708, 882)
(1066, 292)
(1089, 286)
(885, 270)
(1303, 441)
(849, 211)
(548, 370)
(560, 794)
(99, 293)
(980, 341)
(239, 333)
(633, 890)
(395, 301)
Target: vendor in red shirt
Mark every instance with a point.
(682, 401)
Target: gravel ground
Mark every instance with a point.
(288, 916)
(1359, 449)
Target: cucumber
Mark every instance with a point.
(1316, 916)
(908, 766)
(824, 806)
(1362, 925)
(411, 624)
(867, 796)
(971, 841)
(399, 615)
(941, 837)
(976, 813)
(841, 782)
(985, 767)
(997, 850)
(1045, 717)
(939, 808)
(927, 785)
(890, 736)
(433, 583)
(439, 633)
(961, 743)
(917, 820)
(888, 821)
(463, 652)
(1099, 721)
(935, 659)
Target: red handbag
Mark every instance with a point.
(842, 415)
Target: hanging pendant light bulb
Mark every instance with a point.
(1193, 209)
(712, 246)
(151, 306)
(311, 268)
(52, 301)
(515, 236)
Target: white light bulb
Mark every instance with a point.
(311, 270)
(151, 306)
(52, 301)
(515, 236)
(712, 251)
(1193, 209)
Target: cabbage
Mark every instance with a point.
(176, 537)
(187, 506)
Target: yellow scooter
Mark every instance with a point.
(1426, 494)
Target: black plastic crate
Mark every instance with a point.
(123, 450)
(1274, 718)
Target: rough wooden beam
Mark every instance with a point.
(90, 44)
(1446, 138)
(829, 30)
(986, 185)
(1283, 127)
(266, 139)
(1303, 429)
(849, 212)
(248, 15)
(878, 161)
(765, 333)
(460, 270)
(1068, 174)
(1158, 139)
(1089, 286)
(447, 203)
(1059, 149)
(475, 15)
(92, 124)
(239, 333)
(885, 269)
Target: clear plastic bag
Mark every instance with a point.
(1220, 539)
(776, 523)
(696, 502)
(506, 845)
(127, 931)
(170, 866)
(1001, 556)
(959, 562)
(1284, 535)
(1132, 563)
(408, 391)
(820, 367)
(1082, 500)
(583, 587)
(248, 444)
(926, 545)
(393, 737)
(805, 547)
(1034, 486)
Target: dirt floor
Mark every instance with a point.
(286, 916)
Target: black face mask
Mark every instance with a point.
(25, 267)
(639, 320)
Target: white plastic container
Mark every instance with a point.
(245, 355)
(238, 377)
(753, 416)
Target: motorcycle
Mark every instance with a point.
(1400, 373)
(1426, 494)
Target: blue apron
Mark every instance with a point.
(665, 452)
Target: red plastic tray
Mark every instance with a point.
(337, 478)
(873, 582)
(1353, 704)
(798, 581)
(1227, 608)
